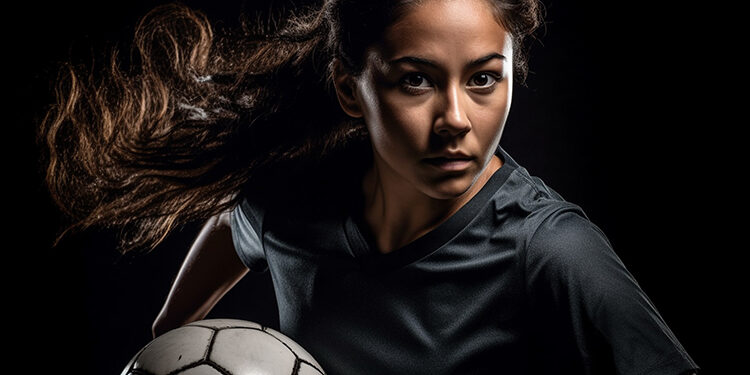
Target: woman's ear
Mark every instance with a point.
(346, 90)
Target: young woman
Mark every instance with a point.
(353, 152)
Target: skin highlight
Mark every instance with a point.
(439, 82)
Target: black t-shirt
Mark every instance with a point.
(518, 281)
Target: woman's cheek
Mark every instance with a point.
(404, 123)
(493, 114)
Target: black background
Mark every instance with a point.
(613, 117)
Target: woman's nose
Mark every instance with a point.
(452, 119)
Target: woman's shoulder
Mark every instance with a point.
(549, 226)
(548, 230)
(525, 203)
(527, 194)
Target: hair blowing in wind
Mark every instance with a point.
(195, 115)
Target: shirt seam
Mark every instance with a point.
(528, 245)
(528, 181)
(260, 219)
(526, 250)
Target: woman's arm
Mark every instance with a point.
(585, 295)
(211, 268)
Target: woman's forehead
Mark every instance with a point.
(441, 28)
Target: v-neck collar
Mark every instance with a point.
(363, 246)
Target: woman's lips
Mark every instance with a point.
(450, 164)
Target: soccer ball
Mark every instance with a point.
(222, 347)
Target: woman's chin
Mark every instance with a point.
(450, 188)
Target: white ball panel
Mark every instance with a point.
(296, 348)
(226, 323)
(250, 351)
(174, 349)
(200, 370)
(306, 369)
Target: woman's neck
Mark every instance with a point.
(398, 213)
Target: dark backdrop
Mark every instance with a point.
(610, 119)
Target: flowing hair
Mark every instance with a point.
(196, 115)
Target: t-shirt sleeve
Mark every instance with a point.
(573, 272)
(246, 222)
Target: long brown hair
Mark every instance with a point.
(174, 137)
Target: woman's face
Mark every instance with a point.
(435, 94)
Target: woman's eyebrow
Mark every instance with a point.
(432, 63)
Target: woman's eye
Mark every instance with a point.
(416, 80)
(482, 80)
